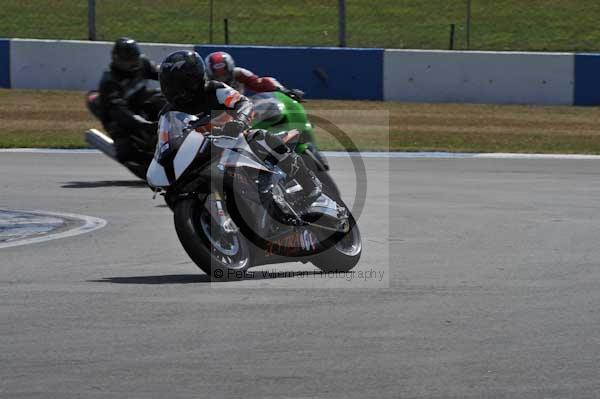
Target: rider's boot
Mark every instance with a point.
(311, 188)
(270, 146)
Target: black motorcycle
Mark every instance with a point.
(234, 210)
(143, 141)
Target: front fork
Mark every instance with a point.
(215, 204)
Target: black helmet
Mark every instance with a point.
(182, 76)
(126, 55)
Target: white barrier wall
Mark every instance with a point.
(478, 77)
(68, 65)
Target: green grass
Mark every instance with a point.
(29, 139)
(545, 25)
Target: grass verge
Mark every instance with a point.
(58, 119)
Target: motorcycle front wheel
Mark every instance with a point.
(343, 252)
(221, 255)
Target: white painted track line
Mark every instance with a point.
(341, 154)
(90, 223)
(49, 151)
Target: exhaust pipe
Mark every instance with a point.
(102, 142)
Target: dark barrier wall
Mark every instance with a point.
(587, 79)
(4, 63)
(321, 72)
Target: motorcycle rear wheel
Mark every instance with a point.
(221, 255)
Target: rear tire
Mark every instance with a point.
(221, 255)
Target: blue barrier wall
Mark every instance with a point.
(4, 63)
(587, 79)
(321, 72)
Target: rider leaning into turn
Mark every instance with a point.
(182, 81)
(220, 66)
(123, 92)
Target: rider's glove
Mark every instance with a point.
(141, 120)
(294, 94)
(234, 128)
(147, 126)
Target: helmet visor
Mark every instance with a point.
(220, 72)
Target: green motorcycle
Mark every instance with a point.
(279, 113)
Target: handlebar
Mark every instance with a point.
(294, 94)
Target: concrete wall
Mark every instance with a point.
(479, 77)
(78, 65)
(67, 65)
(373, 74)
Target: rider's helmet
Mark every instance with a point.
(126, 56)
(182, 77)
(220, 66)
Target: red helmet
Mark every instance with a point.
(220, 66)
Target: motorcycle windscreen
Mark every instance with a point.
(176, 148)
(267, 108)
(237, 154)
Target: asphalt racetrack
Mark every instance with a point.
(490, 289)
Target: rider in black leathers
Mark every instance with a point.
(126, 102)
(182, 81)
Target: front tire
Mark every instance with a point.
(344, 251)
(221, 255)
